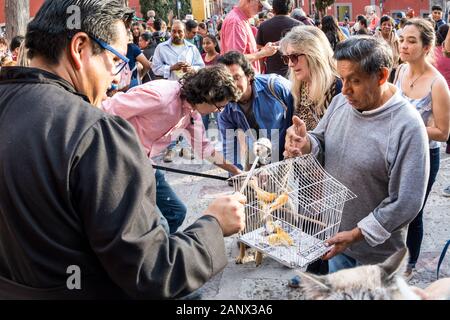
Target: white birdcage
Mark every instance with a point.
(293, 206)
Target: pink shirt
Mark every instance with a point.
(374, 23)
(237, 35)
(442, 63)
(158, 114)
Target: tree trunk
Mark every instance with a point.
(17, 13)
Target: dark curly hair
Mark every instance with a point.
(211, 85)
(234, 57)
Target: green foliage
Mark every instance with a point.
(322, 5)
(164, 7)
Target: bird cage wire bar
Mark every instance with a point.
(311, 214)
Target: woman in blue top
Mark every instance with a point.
(134, 53)
(426, 89)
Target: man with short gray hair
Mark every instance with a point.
(374, 142)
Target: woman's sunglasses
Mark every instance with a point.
(293, 57)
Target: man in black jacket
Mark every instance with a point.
(77, 192)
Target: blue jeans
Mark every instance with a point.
(205, 120)
(172, 208)
(163, 220)
(172, 145)
(340, 262)
(415, 228)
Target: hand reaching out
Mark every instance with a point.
(269, 49)
(229, 212)
(297, 141)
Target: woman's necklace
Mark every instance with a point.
(210, 58)
(411, 85)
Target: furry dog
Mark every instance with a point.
(371, 282)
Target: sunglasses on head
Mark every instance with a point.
(293, 57)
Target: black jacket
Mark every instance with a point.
(77, 189)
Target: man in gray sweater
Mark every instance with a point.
(374, 142)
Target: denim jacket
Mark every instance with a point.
(269, 114)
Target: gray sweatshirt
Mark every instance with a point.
(382, 156)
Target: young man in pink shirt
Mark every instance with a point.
(237, 35)
(160, 110)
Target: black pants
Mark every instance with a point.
(319, 267)
(415, 228)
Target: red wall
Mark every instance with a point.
(134, 4)
(418, 6)
(34, 7)
(388, 6)
(357, 6)
(36, 4)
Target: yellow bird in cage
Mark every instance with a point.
(261, 194)
(280, 237)
(279, 202)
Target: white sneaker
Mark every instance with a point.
(187, 153)
(409, 273)
(169, 155)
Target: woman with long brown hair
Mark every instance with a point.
(426, 89)
(331, 29)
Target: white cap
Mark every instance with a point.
(265, 4)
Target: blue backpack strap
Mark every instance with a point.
(271, 86)
(441, 258)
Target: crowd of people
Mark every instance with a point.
(370, 100)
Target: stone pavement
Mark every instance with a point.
(269, 281)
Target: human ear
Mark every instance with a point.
(78, 48)
(427, 49)
(383, 76)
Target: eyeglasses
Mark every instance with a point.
(118, 67)
(219, 109)
(293, 57)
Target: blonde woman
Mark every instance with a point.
(312, 71)
(22, 59)
(426, 89)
